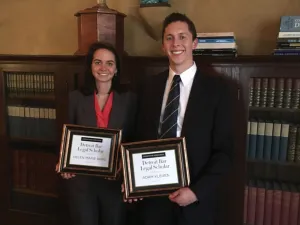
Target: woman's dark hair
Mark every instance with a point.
(89, 86)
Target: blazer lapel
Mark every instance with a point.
(117, 111)
(196, 99)
(157, 96)
(89, 111)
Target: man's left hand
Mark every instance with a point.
(183, 196)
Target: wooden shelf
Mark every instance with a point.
(32, 100)
(270, 170)
(34, 192)
(33, 144)
(269, 109)
(32, 202)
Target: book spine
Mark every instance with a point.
(296, 94)
(279, 93)
(251, 91)
(264, 92)
(287, 94)
(271, 92)
(257, 91)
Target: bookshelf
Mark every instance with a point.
(28, 157)
(33, 102)
(273, 147)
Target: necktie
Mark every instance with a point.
(169, 122)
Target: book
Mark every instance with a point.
(290, 24)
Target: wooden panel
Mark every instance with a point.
(34, 170)
(285, 172)
(33, 202)
(87, 32)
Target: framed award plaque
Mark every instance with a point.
(156, 167)
(89, 150)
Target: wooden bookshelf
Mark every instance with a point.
(273, 171)
(26, 154)
(42, 101)
(30, 143)
(277, 110)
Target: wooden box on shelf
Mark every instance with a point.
(100, 23)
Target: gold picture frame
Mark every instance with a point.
(154, 167)
(89, 150)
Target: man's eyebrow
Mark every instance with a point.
(176, 34)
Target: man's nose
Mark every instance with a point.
(176, 41)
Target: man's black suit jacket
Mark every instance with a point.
(208, 129)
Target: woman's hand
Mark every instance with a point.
(64, 175)
(130, 200)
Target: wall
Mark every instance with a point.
(50, 27)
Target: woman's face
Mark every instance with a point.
(103, 65)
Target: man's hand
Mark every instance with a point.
(183, 196)
(65, 175)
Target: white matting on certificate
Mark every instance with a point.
(155, 168)
(90, 151)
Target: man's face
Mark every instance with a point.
(178, 45)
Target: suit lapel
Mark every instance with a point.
(117, 111)
(196, 100)
(157, 96)
(89, 111)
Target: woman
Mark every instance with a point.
(100, 102)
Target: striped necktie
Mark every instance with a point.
(169, 122)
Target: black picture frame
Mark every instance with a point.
(97, 154)
(169, 161)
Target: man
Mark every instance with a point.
(204, 116)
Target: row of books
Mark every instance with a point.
(216, 44)
(271, 203)
(29, 122)
(274, 92)
(288, 40)
(22, 83)
(273, 140)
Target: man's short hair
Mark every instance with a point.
(175, 17)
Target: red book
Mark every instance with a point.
(277, 199)
(268, 204)
(294, 205)
(252, 192)
(285, 205)
(245, 203)
(260, 203)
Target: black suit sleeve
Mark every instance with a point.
(222, 143)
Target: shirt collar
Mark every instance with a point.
(187, 76)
